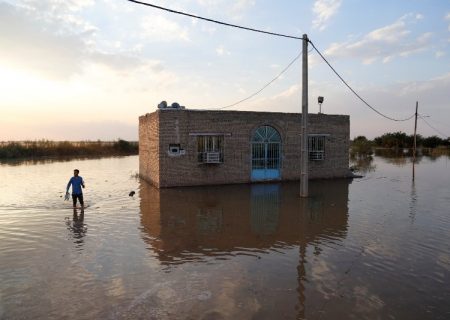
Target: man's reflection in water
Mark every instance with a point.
(200, 226)
(77, 227)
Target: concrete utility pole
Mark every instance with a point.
(415, 130)
(415, 142)
(304, 127)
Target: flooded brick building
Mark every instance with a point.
(181, 147)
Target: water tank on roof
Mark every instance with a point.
(162, 105)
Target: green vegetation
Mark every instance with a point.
(361, 147)
(397, 140)
(46, 148)
(394, 143)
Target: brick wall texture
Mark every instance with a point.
(163, 127)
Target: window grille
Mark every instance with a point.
(210, 148)
(316, 147)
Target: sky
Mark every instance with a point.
(86, 70)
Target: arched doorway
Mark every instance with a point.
(266, 154)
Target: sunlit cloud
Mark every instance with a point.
(65, 129)
(383, 44)
(61, 16)
(289, 92)
(324, 10)
(35, 47)
(389, 34)
(108, 60)
(437, 85)
(31, 46)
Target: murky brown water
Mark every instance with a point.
(372, 248)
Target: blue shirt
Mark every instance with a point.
(76, 183)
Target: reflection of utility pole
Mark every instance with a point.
(415, 142)
(412, 206)
(301, 278)
(301, 269)
(304, 129)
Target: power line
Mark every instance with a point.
(214, 21)
(354, 92)
(438, 131)
(438, 122)
(235, 26)
(273, 34)
(265, 86)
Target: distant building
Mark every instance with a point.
(182, 147)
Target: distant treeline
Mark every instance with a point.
(396, 140)
(46, 148)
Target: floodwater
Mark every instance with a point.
(377, 247)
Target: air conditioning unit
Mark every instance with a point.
(211, 157)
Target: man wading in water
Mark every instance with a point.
(77, 182)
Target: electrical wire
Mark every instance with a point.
(437, 122)
(354, 92)
(438, 131)
(214, 21)
(265, 86)
(273, 34)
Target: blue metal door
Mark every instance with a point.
(266, 145)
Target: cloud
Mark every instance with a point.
(236, 6)
(293, 90)
(437, 86)
(46, 39)
(27, 44)
(397, 100)
(124, 63)
(447, 17)
(324, 11)
(70, 130)
(60, 14)
(235, 9)
(161, 29)
(439, 54)
(287, 100)
(383, 44)
(242, 5)
(221, 51)
(390, 33)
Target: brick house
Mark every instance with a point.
(182, 147)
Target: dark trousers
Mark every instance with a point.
(79, 197)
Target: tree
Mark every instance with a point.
(361, 146)
(432, 142)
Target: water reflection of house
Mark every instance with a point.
(196, 227)
(179, 147)
(198, 222)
